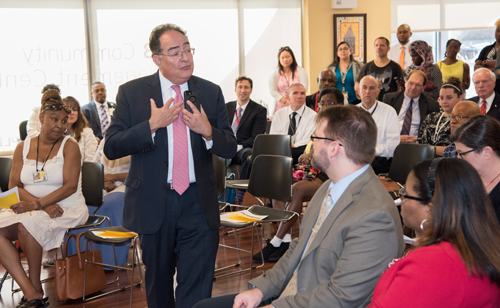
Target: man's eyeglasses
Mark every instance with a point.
(313, 137)
(402, 194)
(462, 154)
(177, 54)
(458, 118)
(416, 85)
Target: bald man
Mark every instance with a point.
(326, 79)
(400, 53)
(461, 113)
(385, 118)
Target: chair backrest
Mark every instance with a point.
(5, 166)
(23, 130)
(407, 156)
(271, 177)
(93, 183)
(220, 173)
(272, 145)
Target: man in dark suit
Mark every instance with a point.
(98, 110)
(327, 80)
(247, 120)
(487, 99)
(421, 105)
(170, 196)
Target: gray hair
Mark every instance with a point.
(482, 69)
(154, 37)
(295, 85)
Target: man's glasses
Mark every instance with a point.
(402, 194)
(313, 137)
(178, 53)
(458, 118)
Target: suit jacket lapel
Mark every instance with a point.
(399, 102)
(247, 112)
(196, 139)
(154, 92)
(344, 201)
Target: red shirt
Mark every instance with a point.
(433, 276)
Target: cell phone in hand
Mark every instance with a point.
(193, 97)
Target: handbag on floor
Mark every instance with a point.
(69, 272)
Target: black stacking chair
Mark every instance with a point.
(23, 130)
(270, 178)
(406, 156)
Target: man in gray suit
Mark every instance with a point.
(349, 234)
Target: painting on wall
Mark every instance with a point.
(351, 28)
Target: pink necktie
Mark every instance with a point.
(180, 169)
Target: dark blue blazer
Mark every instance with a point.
(495, 106)
(130, 134)
(90, 112)
(252, 123)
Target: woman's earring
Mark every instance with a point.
(422, 224)
(66, 130)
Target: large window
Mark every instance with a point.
(47, 42)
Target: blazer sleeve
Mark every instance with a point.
(362, 260)
(124, 137)
(224, 142)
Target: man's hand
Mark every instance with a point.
(197, 121)
(54, 210)
(23, 207)
(164, 116)
(248, 299)
(408, 139)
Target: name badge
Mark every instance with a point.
(39, 176)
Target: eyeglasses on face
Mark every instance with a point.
(462, 154)
(457, 118)
(313, 137)
(402, 194)
(177, 54)
(344, 48)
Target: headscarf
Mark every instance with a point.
(423, 50)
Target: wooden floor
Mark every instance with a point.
(222, 286)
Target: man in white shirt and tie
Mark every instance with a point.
(399, 53)
(296, 120)
(98, 110)
(487, 99)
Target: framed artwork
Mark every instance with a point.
(351, 28)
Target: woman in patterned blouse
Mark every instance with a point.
(435, 130)
(423, 60)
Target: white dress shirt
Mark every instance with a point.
(415, 116)
(305, 124)
(388, 128)
(395, 52)
(167, 93)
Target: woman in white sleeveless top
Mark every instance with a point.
(46, 170)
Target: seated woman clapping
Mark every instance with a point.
(46, 170)
(457, 259)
